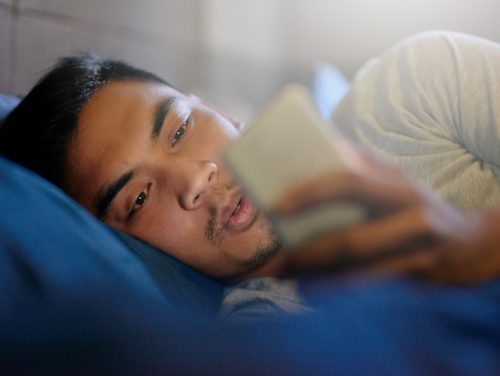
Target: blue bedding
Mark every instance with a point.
(75, 297)
(72, 296)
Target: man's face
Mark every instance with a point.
(146, 159)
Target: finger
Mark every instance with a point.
(386, 237)
(392, 233)
(331, 186)
(370, 160)
(417, 261)
(462, 264)
(377, 193)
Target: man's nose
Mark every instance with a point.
(198, 177)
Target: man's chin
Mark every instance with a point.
(262, 259)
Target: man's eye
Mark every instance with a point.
(182, 129)
(139, 202)
(141, 199)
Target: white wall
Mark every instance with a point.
(348, 32)
(244, 50)
(254, 46)
(249, 30)
(159, 35)
(234, 52)
(5, 40)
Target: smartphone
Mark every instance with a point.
(289, 143)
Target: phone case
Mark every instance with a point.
(289, 143)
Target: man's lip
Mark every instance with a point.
(244, 217)
(231, 207)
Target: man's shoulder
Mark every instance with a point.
(262, 298)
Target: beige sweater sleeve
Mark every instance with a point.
(431, 104)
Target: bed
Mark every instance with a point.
(79, 297)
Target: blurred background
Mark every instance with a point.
(235, 53)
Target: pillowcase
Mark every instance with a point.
(182, 285)
(51, 247)
(179, 283)
(73, 297)
(61, 248)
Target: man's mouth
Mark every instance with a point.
(237, 208)
(240, 215)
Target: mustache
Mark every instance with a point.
(213, 231)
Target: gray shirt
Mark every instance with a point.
(262, 299)
(431, 105)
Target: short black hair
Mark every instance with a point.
(38, 131)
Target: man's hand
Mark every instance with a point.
(411, 230)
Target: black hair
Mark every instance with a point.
(38, 131)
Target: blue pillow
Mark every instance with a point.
(49, 245)
(181, 284)
(51, 239)
(73, 298)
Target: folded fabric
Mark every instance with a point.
(431, 104)
(75, 300)
(182, 285)
(67, 284)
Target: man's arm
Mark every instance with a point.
(411, 231)
(431, 104)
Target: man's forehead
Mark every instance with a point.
(120, 106)
(123, 89)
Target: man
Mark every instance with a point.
(145, 158)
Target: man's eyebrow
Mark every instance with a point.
(160, 114)
(109, 193)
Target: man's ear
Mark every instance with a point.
(238, 124)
